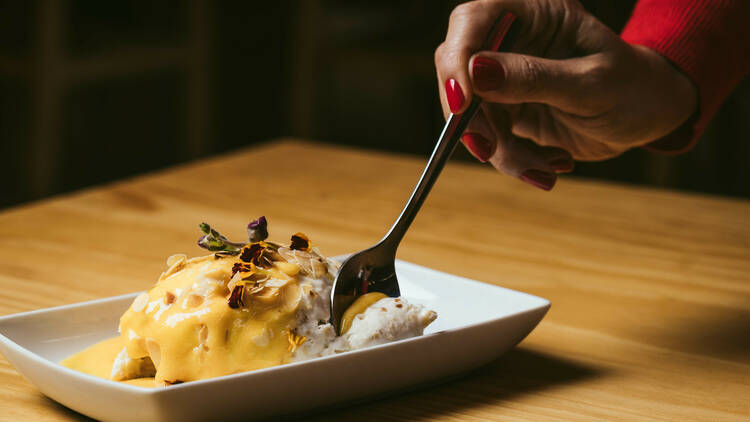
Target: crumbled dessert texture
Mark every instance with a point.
(248, 306)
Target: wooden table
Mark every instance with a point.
(650, 289)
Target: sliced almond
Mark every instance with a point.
(193, 300)
(292, 295)
(140, 302)
(217, 275)
(305, 264)
(294, 255)
(203, 334)
(289, 268)
(236, 278)
(287, 254)
(267, 295)
(318, 268)
(276, 282)
(177, 267)
(273, 255)
(333, 266)
(253, 288)
(175, 259)
(154, 351)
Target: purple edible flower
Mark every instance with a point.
(257, 230)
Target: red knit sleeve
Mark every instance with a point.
(708, 40)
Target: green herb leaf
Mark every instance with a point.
(214, 241)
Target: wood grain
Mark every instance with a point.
(650, 289)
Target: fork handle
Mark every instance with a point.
(497, 40)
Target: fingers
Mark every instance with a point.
(547, 126)
(468, 27)
(572, 85)
(479, 138)
(533, 164)
(537, 165)
(518, 157)
(489, 138)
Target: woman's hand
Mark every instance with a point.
(571, 86)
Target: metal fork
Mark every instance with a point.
(373, 269)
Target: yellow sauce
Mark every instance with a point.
(358, 307)
(191, 336)
(142, 382)
(97, 359)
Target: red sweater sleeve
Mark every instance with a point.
(708, 40)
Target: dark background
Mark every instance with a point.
(93, 91)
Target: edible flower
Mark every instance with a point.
(256, 253)
(215, 241)
(295, 340)
(235, 299)
(301, 242)
(257, 230)
(242, 267)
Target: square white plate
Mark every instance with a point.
(476, 323)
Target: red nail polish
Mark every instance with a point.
(562, 165)
(488, 74)
(454, 94)
(480, 146)
(540, 179)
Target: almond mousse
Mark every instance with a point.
(246, 306)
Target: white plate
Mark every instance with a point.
(476, 323)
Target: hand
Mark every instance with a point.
(571, 89)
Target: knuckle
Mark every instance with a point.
(502, 160)
(450, 56)
(600, 72)
(460, 10)
(533, 74)
(439, 51)
(505, 162)
(598, 77)
(467, 9)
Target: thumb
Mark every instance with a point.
(572, 85)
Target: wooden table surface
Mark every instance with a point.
(650, 289)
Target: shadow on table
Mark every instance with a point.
(722, 333)
(517, 373)
(67, 412)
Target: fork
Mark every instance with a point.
(373, 269)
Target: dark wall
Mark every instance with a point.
(95, 91)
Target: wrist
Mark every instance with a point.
(669, 93)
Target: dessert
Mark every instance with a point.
(245, 306)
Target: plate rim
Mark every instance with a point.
(543, 307)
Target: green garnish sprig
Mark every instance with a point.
(215, 241)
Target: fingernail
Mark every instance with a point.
(540, 179)
(455, 95)
(478, 145)
(562, 165)
(488, 74)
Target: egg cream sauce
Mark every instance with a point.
(97, 361)
(358, 308)
(186, 327)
